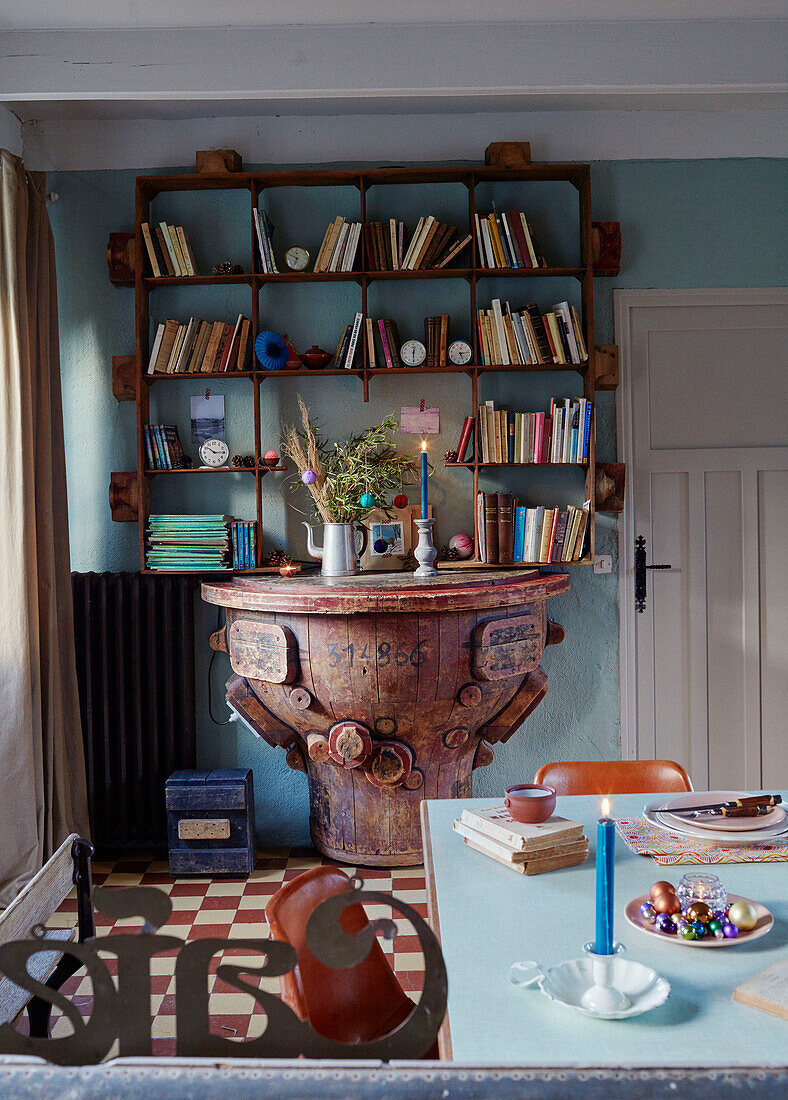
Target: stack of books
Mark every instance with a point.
(509, 532)
(168, 249)
(561, 435)
(264, 232)
(243, 534)
(382, 342)
(433, 244)
(162, 446)
(436, 340)
(188, 542)
(340, 246)
(528, 849)
(505, 240)
(201, 347)
(526, 336)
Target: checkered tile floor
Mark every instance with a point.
(233, 908)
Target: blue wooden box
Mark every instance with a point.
(210, 822)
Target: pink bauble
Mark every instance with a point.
(270, 458)
(463, 544)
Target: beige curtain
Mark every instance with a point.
(42, 769)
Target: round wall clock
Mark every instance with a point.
(297, 258)
(412, 353)
(460, 353)
(214, 453)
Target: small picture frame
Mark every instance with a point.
(392, 532)
(399, 528)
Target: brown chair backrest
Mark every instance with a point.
(355, 1005)
(614, 776)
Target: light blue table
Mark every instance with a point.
(488, 916)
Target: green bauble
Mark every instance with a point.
(687, 932)
(714, 924)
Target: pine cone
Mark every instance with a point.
(276, 557)
(443, 553)
(454, 554)
(184, 462)
(248, 462)
(237, 461)
(227, 268)
(450, 456)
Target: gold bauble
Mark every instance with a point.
(743, 915)
(699, 910)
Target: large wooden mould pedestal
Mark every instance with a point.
(384, 689)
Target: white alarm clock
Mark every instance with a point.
(460, 353)
(214, 453)
(412, 353)
(297, 258)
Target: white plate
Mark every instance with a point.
(775, 816)
(764, 925)
(670, 824)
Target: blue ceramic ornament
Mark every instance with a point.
(380, 546)
(367, 500)
(271, 351)
(309, 477)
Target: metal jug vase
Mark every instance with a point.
(338, 552)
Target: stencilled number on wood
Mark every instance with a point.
(387, 654)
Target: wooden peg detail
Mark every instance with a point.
(555, 633)
(124, 377)
(508, 154)
(214, 162)
(124, 496)
(606, 244)
(121, 259)
(610, 486)
(605, 367)
(317, 748)
(218, 640)
(349, 744)
(299, 699)
(390, 764)
(453, 738)
(484, 755)
(414, 781)
(295, 758)
(469, 695)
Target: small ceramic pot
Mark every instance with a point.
(530, 802)
(316, 358)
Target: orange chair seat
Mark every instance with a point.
(614, 776)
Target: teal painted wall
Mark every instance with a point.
(684, 224)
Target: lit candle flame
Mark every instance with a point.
(605, 807)
(424, 444)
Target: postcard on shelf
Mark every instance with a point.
(207, 417)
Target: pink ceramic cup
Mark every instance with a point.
(530, 802)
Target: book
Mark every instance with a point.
(496, 822)
(505, 529)
(454, 251)
(491, 526)
(351, 351)
(519, 533)
(393, 339)
(465, 438)
(549, 859)
(151, 251)
(385, 343)
(767, 991)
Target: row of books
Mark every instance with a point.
(340, 246)
(528, 849)
(188, 542)
(163, 448)
(436, 340)
(201, 347)
(243, 539)
(505, 240)
(509, 532)
(264, 231)
(526, 336)
(168, 249)
(433, 244)
(561, 435)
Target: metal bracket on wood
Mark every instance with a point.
(606, 248)
(124, 496)
(610, 486)
(121, 259)
(124, 377)
(605, 366)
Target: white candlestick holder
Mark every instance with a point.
(603, 997)
(425, 551)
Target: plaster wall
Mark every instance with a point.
(685, 224)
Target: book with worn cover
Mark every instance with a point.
(526, 863)
(505, 528)
(496, 822)
(491, 526)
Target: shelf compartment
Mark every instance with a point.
(517, 465)
(160, 376)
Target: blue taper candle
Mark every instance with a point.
(423, 479)
(605, 859)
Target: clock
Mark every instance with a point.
(214, 453)
(460, 353)
(297, 258)
(412, 353)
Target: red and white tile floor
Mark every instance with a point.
(233, 908)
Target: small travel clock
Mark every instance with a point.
(214, 453)
(460, 353)
(297, 258)
(412, 353)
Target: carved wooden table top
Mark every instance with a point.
(370, 592)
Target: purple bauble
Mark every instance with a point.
(719, 914)
(309, 477)
(730, 931)
(380, 546)
(665, 924)
(648, 912)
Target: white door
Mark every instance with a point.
(703, 428)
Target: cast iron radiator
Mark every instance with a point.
(135, 665)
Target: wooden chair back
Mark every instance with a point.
(351, 1006)
(614, 776)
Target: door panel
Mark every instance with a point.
(773, 530)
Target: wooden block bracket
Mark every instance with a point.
(605, 367)
(124, 377)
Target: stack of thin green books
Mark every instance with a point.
(199, 543)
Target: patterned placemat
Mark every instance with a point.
(670, 848)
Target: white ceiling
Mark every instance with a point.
(35, 15)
